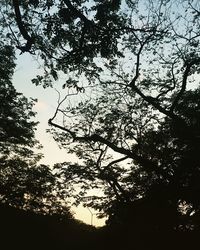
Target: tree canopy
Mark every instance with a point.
(130, 106)
(23, 182)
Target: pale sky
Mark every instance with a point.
(47, 98)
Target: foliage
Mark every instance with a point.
(16, 116)
(130, 109)
(23, 183)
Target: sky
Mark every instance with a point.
(27, 69)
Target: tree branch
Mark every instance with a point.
(184, 82)
(155, 104)
(147, 164)
(114, 162)
(153, 101)
(22, 29)
(78, 13)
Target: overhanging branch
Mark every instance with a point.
(22, 29)
(147, 164)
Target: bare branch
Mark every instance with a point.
(60, 102)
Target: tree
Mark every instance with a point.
(23, 182)
(131, 102)
(16, 118)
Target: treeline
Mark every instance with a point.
(27, 230)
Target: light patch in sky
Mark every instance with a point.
(40, 106)
(88, 216)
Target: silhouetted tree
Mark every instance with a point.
(131, 99)
(23, 182)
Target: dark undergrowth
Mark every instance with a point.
(25, 230)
